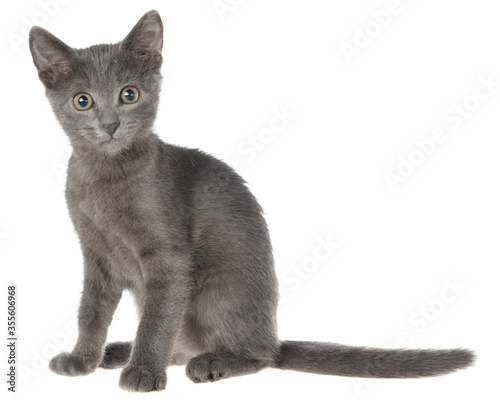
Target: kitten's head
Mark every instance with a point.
(104, 96)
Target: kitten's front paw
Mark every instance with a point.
(72, 365)
(143, 379)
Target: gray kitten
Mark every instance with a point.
(178, 229)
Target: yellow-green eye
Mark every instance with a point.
(83, 101)
(129, 95)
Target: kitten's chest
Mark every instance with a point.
(109, 206)
(104, 220)
(102, 208)
(111, 195)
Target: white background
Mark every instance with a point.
(321, 177)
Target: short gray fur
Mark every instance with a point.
(180, 230)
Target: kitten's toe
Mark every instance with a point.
(116, 355)
(72, 365)
(142, 379)
(203, 369)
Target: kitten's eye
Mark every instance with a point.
(83, 101)
(129, 95)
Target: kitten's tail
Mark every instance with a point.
(366, 362)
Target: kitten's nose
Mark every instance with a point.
(111, 128)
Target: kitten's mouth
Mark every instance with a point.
(110, 140)
(110, 143)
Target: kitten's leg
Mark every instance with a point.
(99, 300)
(211, 367)
(166, 288)
(116, 355)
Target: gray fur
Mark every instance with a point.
(180, 230)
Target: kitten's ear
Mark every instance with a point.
(50, 55)
(146, 39)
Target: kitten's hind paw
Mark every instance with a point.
(143, 379)
(116, 355)
(201, 369)
(72, 365)
(211, 367)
